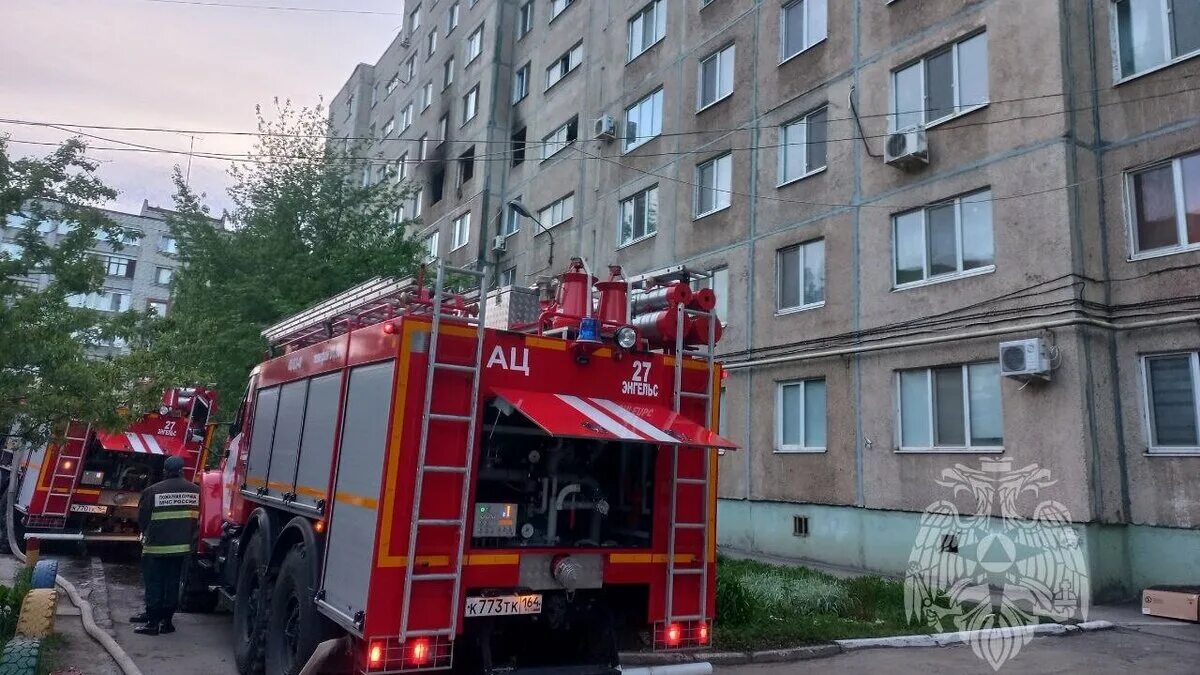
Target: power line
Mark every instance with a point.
(275, 8)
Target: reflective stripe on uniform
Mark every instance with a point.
(167, 550)
(173, 515)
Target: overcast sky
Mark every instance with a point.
(158, 64)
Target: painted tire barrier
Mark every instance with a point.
(37, 613)
(44, 574)
(21, 656)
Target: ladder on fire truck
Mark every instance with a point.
(65, 474)
(420, 521)
(674, 571)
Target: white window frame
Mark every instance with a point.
(719, 193)
(474, 45)
(521, 78)
(411, 65)
(1152, 448)
(414, 19)
(780, 447)
(452, 18)
(1165, 9)
(168, 244)
(103, 301)
(114, 265)
(158, 275)
(807, 41)
(967, 447)
(431, 44)
(549, 219)
(393, 83)
(423, 147)
(470, 105)
(655, 100)
(804, 248)
(655, 11)
(507, 277)
(460, 233)
(406, 117)
(1181, 225)
(551, 142)
(651, 229)
(573, 58)
(448, 73)
(719, 56)
(557, 7)
(433, 245)
(786, 144)
(427, 96)
(511, 223)
(959, 110)
(524, 19)
(961, 273)
(389, 126)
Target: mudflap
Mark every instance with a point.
(575, 634)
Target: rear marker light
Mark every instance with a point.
(68, 464)
(375, 657)
(420, 652)
(319, 526)
(389, 328)
(703, 633)
(673, 635)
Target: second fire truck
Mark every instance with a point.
(508, 483)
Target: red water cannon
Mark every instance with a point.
(573, 300)
(613, 306)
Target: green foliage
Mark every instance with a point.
(11, 598)
(735, 605)
(304, 228)
(47, 370)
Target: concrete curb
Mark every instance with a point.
(839, 646)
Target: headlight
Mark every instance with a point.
(626, 337)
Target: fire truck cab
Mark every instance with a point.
(479, 482)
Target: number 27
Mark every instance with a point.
(641, 371)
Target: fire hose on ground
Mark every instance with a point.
(126, 664)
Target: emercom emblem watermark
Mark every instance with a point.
(1016, 562)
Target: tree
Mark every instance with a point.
(305, 226)
(48, 369)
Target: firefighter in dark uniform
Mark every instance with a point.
(167, 515)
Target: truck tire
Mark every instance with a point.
(194, 594)
(21, 656)
(44, 574)
(37, 613)
(250, 608)
(294, 626)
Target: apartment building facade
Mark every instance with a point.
(865, 288)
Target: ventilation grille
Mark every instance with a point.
(799, 526)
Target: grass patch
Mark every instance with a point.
(52, 646)
(761, 606)
(11, 598)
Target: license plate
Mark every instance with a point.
(89, 508)
(505, 605)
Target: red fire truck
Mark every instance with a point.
(412, 477)
(84, 485)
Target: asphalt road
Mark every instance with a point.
(202, 644)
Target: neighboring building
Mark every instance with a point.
(865, 301)
(137, 274)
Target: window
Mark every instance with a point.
(560, 138)
(452, 18)
(800, 276)
(475, 44)
(471, 104)
(716, 78)
(802, 150)
(955, 407)
(466, 165)
(389, 126)
(558, 7)
(411, 67)
(508, 277)
(643, 120)
(162, 275)
(349, 106)
(712, 185)
(719, 283)
(512, 220)
(448, 73)
(417, 201)
(105, 301)
(437, 185)
(167, 244)
(431, 246)
(423, 146)
(802, 24)
(157, 307)
(639, 216)
(431, 43)
(125, 237)
(406, 117)
(13, 251)
(1171, 401)
(461, 233)
(944, 240)
(374, 96)
(564, 64)
(518, 146)
(393, 83)
(646, 28)
(941, 85)
(402, 168)
(521, 83)
(800, 416)
(427, 95)
(414, 19)
(116, 266)
(557, 212)
(525, 19)
(1152, 33)
(1164, 206)
(443, 129)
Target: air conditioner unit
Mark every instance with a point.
(907, 149)
(499, 243)
(406, 41)
(1024, 359)
(605, 129)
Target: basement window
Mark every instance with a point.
(949, 543)
(799, 526)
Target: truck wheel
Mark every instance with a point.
(37, 613)
(294, 626)
(21, 656)
(250, 609)
(194, 594)
(44, 573)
